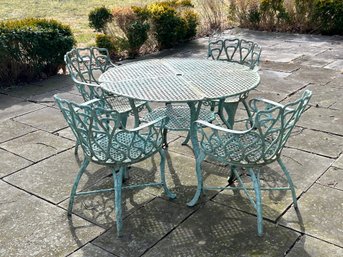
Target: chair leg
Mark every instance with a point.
(76, 150)
(124, 119)
(165, 132)
(290, 182)
(163, 176)
(76, 183)
(246, 106)
(258, 203)
(197, 194)
(185, 142)
(232, 176)
(118, 180)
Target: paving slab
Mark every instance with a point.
(339, 162)
(332, 178)
(279, 66)
(66, 133)
(304, 169)
(321, 214)
(48, 119)
(180, 176)
(144, 228)
(313, 61)
(309, 246)
(99, 208)
(316, 142)
(52, 179)
(271, 82)
(220, 231)
(33, 227)
(11, 107)
(37, 145)
(323, 119)
(90, 250)
(11, 129)
(314, 75)
(11, 163)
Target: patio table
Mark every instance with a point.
(179, 80)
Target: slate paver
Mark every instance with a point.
(316, 142)
(180, 176)
(52, 179)
(37, 145)
(11, 163)
(48, 119)
(323, 119)
(99, 208)
(11, 107)
(33, 227)
(321, 213)
(309, 246)
(304, 169)
(11, 129)
(319, 76)
(332, 178)
(139, 234)
(339, 162)
(216, 230)
(90, 250)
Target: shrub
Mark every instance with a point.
(134, 27)
(32, 48)
(99, 17)
(328, 15)
(171, 21)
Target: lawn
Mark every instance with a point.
(71, 12)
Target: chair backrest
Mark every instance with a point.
(102, 137)
(86, 64)
(275, 124)
(235, 50)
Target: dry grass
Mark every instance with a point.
(213, 13)
(71, 12)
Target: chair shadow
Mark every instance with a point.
(99, 209)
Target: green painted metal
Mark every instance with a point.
(107, 142)
(259, 145)
(85, 65)
(238, 51)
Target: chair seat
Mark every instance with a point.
(122, 104)
(125, 147)
(179, 116)
(245, 148)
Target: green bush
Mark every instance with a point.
(328, 15)
(171, 21)
(32, 48)
(134, 28)
(99, 17)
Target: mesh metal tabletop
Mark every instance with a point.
(179, 80)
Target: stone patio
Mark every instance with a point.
(38, 166)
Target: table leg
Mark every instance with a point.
(195, 110)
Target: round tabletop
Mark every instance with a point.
(179, 80)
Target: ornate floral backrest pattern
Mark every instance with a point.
(99, 132)
(262, 143)
(84, 64)
(235, 50)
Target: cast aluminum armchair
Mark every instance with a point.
(258, 146)
(85, 66)
(239, 51)
(104, 141)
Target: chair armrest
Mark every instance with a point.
(267, 104)
(149, 124)
(218, 128)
